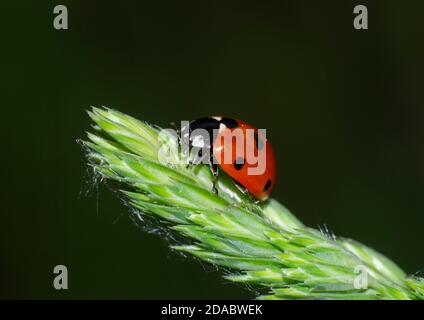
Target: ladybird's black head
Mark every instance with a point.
(210, 124)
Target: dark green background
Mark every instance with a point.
(343, 108)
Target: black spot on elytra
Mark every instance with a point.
(229, 123)
(258, 141)
(267, 185)
(239, 163)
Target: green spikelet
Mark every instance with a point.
(262, 245)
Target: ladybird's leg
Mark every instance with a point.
(215, 173)
(196, 162)
(198, 159)
(192, 161)
(253, 199)
(189, 164)
(255, 202)
(240, 187)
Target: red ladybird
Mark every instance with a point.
(226, 135)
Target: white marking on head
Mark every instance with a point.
(198, 141)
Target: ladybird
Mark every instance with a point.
(226, 134)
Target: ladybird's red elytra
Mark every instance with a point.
(259, 185)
